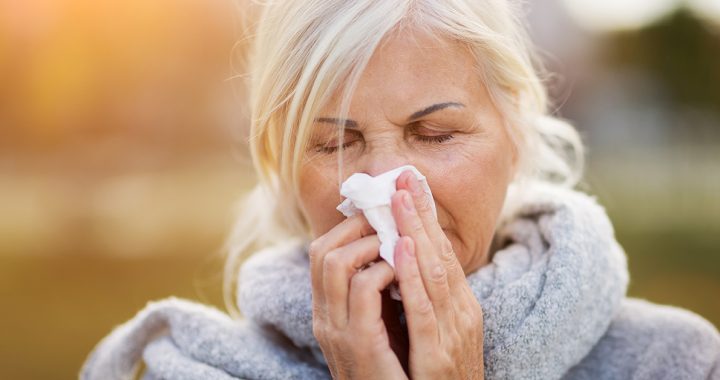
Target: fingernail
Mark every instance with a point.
(409, 248)
(414, 184)
(407, 202)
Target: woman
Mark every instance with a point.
(516, 277)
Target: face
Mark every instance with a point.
(421, 102)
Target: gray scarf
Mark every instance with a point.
(555, 283)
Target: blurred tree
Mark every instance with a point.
(680, 51)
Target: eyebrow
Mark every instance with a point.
(352, 124)
(433, 108)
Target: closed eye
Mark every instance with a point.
(427, 139)
(333, 149)
(350, 137)
(434, 139)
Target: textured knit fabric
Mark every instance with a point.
(553, 298)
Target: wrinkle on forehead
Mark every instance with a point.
(411, 68)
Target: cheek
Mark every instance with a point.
(472, 174)
(469, 185)
(319, 195)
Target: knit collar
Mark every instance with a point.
(548, 295)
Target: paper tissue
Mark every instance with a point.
(372, 196)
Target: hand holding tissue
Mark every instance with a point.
(372, 196)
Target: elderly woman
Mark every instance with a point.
(503, 270)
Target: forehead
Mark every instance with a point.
(411, 68)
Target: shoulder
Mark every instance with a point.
(676, 324)
(178, 338)
(650, 341)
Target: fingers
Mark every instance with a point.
(339, 266)
(419, 310)
(419, 222)
(433, 271)
(365, 299)
(350, 229)
(423, 203)
(338, 287)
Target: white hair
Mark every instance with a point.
(305, 51)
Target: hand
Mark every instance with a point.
(347, 302)
(445, 320)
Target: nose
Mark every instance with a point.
(378, 160)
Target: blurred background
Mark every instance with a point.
(122, 154)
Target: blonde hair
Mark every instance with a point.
(305, 51)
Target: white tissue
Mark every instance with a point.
(372, 195)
